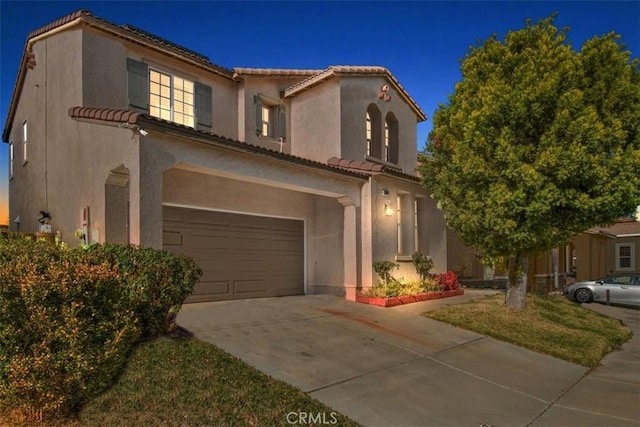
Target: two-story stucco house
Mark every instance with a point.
(278, 182)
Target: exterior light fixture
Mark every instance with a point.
(388, 210)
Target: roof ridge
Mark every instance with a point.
(59, 22)
(162, 40)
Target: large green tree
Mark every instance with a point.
(537, 143)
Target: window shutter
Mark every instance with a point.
(138, 85)
(258, 102)
(203, 106)
(282, 122)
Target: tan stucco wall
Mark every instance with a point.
(315, 122)
(104, 71)
(49, 90)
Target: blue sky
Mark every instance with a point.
(420, 42)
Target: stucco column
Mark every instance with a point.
(366, 236)
(350, 248)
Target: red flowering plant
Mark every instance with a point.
(447, 281)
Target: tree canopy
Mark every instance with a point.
(537, 143)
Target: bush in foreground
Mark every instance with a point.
(69, 318)
(155, 282)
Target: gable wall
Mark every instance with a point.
(356, 93)
(49, 89)
(315, 122)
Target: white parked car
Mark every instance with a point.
(623, 289)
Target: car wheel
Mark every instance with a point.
(583, 295)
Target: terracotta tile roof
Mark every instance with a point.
(239, 72)
(354, 70)
(59, 22)
(123, 116)
(369, 168)
(142, 119)
(352, 164)
(166, 43)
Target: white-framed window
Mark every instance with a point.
(625, 256)
(267, 117)
(369, 135)
(171, 98)
(25, 134)
(270, 118)
(11, 155)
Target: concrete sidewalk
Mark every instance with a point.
(393, 367)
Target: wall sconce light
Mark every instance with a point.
(388, 210)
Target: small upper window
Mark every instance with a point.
(24, 141)
(391, 140)
(171, 98)
(369, 135)
(11, 159)
(373, 132)
(266, 120)
(386, 141)
(270, 118)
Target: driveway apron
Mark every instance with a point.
(394, 367)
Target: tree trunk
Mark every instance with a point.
(516, 297)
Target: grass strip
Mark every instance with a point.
(551, 325)
(186, 382)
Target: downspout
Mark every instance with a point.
(46, 126)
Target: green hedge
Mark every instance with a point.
(69, 317)
(155, 282)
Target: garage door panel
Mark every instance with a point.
(210, 290)
(242, 256)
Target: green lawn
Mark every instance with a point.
(185, 382)
(549, 324)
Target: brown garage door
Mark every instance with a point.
(242, 256)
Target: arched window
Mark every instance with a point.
(372, 131)
(369, 135)
(391, 139)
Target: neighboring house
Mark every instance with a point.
(278, 182)
(595, 253)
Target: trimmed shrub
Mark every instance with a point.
(383, 269)
(155, 282)
(69, 317)
(423, 264)
(65, 328)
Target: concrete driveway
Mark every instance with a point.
(393, 367)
